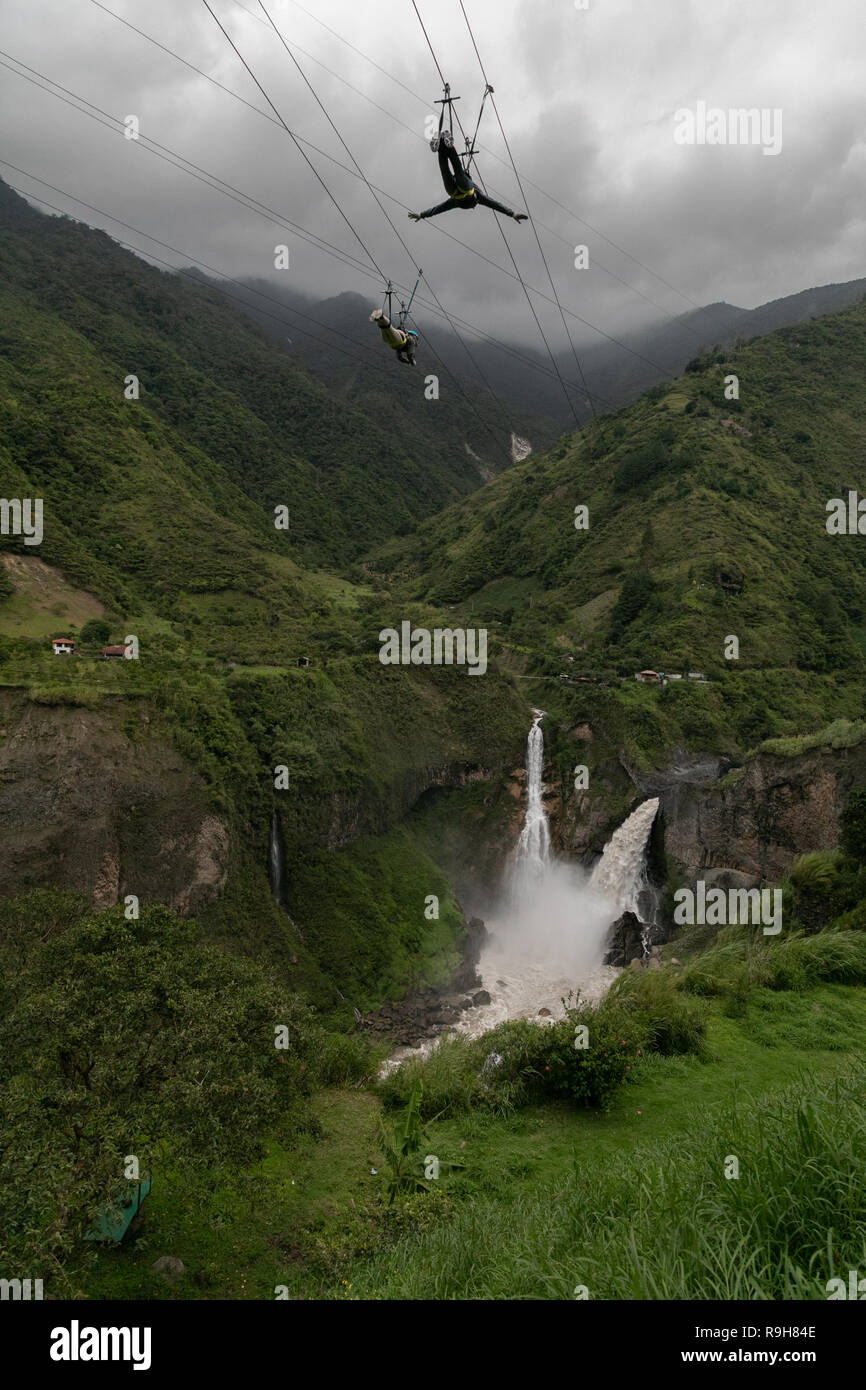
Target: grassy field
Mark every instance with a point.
(525, 1216)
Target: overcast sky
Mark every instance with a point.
(587, 99)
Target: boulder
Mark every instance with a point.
(544, 1013)
(169, 1268)
(624, 940)
(480, 998)
(467, 977)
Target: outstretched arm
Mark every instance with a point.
(433, 212)
(499, 207)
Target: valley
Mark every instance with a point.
(327, 828)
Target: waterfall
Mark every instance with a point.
(552, 923)
(277, 871)
(533, 847)
(277, 862)
(620, 874)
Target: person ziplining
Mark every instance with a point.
(458, 181)
(402, 339)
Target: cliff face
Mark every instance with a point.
(86, 806)
(755, 819)
(759, 818)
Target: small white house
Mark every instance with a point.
(62, 646)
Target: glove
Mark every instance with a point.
(521, 216)
(415, 216)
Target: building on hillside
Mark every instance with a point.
(62, 646)
(648, 677)
(303, 661)
(113, 653)
(696, 676)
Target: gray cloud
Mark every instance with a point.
(588, 99)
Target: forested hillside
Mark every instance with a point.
(706, 518)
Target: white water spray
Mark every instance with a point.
(620, 873)
(549, 936)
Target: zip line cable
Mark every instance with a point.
(385, 214)
(570, 211)
(489, 91)
(193, 260)
(365, 347)
(116, 126)
(663, 371)
(596, 263)
(553, 361)
(280, 219)
(577, 362)
(442, 362)
(297, 144)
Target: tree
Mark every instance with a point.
(96, 631)
(647, 544)
(635, 594)
(125, 1038)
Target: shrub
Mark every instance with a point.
(450, 1078)
(534, 1061)
(673, 1023)
(345, 1059)
(96, 631)
(825, 884)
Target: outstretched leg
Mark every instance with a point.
(393, 336)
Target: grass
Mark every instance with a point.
(43, 604)
(668, 1221)
(842, 733)
(630, 1203)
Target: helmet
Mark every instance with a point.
(410, 333)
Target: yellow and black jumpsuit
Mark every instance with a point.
(401, 342)
(461, 191)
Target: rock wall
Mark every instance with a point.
(753, 820)
(84, 806)
(758, 818)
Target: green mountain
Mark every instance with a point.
(225, 421)
(159, 523)
(707, 520)
(326, 334)
(219, 854)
